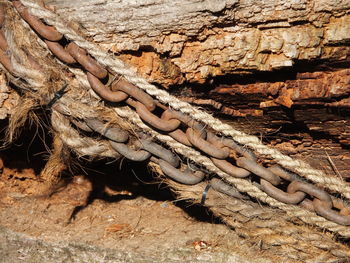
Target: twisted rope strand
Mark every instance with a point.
(84, 146)
(253, 142)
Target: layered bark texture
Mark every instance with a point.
(174, 41)
(275, 68)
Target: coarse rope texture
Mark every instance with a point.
(84, 146)
(253, 142)
(278, 231)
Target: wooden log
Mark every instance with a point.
(175, 41)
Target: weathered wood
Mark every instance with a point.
(327, 88)
(173, 41)
(313, 127)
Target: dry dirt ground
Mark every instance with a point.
(110, 212)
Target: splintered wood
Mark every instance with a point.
(173, 42)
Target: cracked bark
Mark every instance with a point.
(174, 41)
(272, 68)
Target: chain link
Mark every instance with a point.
(47, 32)
(225, 153)
(60, 52)
(153, 120)
(111, 132)
(105, 92)
(129, 153)
(205, 146)
(184, 176)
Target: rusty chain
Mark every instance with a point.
(226, 154)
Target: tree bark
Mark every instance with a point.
(175, 41)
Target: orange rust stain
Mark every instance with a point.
(306, 86)
(154, 68)
(242, 112)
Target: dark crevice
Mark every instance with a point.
(30, 151)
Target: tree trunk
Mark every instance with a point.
(173, 41)
(273, 68)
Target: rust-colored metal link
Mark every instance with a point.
(230, 169)
(288, 176)
(47, 32)
(87, 62)
(234, 146)
(153, 120)
(178, 134)
(310, 190)
(103, 91)
(160, 152)
(324, 209)
(225, 165)
(322, 202)
(135, 92)
(259, 170)
(187, 120)
(131, 154)
(278, 194)
(113, 133)
(205, 146)
(187, 176)
(60, 52)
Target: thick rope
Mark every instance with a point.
(84, 146)
(252, 142)
(241, 184)
(18, 58)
